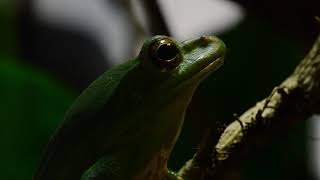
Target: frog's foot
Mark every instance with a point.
(172, 176)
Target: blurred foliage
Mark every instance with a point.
(7, 30)
(32, 105)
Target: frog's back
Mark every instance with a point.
(69, 152)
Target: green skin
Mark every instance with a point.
(125, 124)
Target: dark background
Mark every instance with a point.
(43, 68)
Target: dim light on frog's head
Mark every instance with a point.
(186, 62)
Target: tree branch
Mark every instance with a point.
(295, 99)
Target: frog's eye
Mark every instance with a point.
(165, 53)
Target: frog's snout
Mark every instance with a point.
(207, 45)
(204, 48)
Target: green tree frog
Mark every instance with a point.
(125, 124)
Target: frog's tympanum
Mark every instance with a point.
(125, 124)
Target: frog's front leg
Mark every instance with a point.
(171, 175)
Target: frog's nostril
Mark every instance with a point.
(167, 52)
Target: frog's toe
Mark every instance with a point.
(172, 176)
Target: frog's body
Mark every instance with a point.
(125, 124)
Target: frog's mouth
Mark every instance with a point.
(213, 66)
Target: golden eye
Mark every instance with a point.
(165, 53)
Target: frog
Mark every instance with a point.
(126, 123)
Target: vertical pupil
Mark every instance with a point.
(166, 52)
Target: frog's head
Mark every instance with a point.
(168, 75)
(182, 64)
